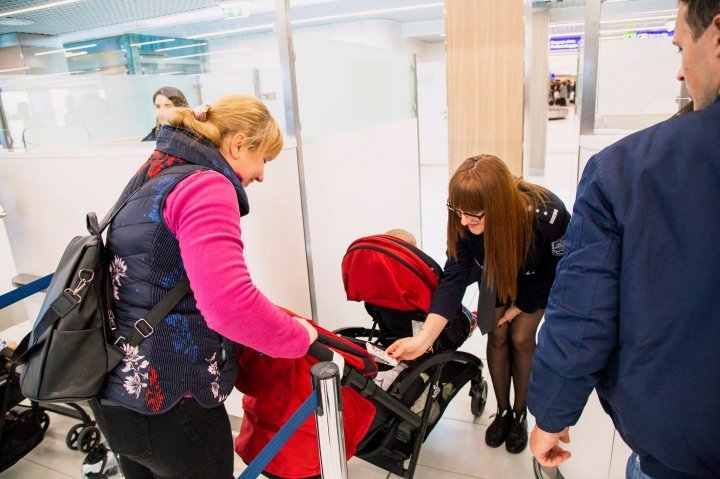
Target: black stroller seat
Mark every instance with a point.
(395, 280)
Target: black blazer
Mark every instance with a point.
(534, 279)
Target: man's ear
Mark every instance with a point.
(715, 26)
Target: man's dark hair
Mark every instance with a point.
(700, 14)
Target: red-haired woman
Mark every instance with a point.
(515, 232)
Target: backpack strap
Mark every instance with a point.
(59, 308)
(22, 349)
(96, 228)
(144, 327)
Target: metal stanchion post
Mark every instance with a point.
(328, 419)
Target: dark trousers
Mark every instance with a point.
(188, 442)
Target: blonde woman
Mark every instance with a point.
(514, 232)
(161, 408)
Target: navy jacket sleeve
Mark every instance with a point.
(580, 329)
(536, 279)
(457, 275)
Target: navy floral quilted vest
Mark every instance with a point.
(183, 356)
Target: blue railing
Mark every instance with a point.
(23, 292)
(278, 441)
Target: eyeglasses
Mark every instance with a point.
(461, 213)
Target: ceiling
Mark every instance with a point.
(88, 19)
(91, 14)
(83, 20)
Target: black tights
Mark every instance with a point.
(510, 352)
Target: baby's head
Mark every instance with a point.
(403, 235)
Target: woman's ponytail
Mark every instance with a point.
(234, 113)
(185, 118)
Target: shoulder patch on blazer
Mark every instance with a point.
(558, 246)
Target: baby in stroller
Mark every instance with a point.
(386, 420)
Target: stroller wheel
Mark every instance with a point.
(478, 394)
(88, 439)
(44, 421)
(72, 436)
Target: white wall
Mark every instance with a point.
(563, 63)
(385, 34)
(48, 194)
(637, 77)
(17, 312)
(359, 184)
(434, 52)
(351, 182)
(434, 151)
(273, 235)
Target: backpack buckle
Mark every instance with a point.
(143, 327)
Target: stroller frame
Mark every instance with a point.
(84, 436)
(395, 280)
(412, 424)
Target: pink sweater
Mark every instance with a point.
(202, 212)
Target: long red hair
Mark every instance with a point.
(484, 183)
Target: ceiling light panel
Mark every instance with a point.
(81, 15)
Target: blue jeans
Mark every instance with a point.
(632, 471)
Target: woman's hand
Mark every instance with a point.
(409, 348)
(309, 327)
(511, 313)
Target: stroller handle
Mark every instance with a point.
(320, 352)
(366, 386)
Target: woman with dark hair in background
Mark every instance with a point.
(163, 99)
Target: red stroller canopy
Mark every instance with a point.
(386, 271)
(275, 388)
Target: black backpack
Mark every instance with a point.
(70, 349)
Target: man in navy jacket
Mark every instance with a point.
(635, 308)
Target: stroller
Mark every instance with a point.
(386, 425)
(22, 427)
(20, 430)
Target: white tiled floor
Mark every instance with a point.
(456, 448)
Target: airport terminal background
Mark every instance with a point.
(76, 85)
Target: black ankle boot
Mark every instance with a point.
(517, 436)
(498, 430)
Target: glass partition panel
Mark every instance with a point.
(72, 110)
(344, 87)
(68, 82)
(637, 66)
